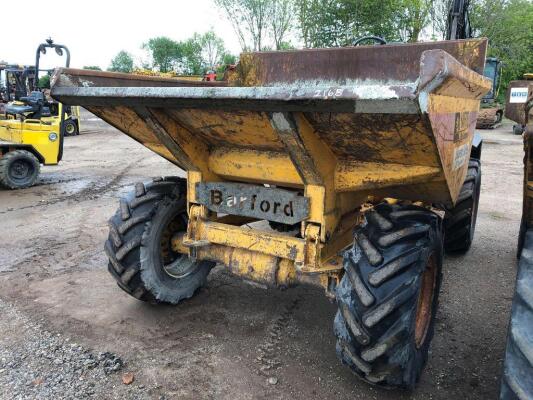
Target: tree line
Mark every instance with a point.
(193, 56)
(262, 25)
(280, 24)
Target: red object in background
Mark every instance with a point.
(210, 76)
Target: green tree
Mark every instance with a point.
(411, 17)
(123, 62)
(165, 53)
(229, 59)
(190, 60)
(92, 67)
(329, 23)
(280, 21)
(212, 49)
(508, 26)
(44, 82)
(249, 19)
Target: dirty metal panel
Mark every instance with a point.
(218, 128)
(515, 108)
(394, 138)
(126, 120)
(355, 97)
(389, 63)
(89, 78)
(253, 201)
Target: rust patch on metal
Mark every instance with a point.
(382, 63)
(425, 301)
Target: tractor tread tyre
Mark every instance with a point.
(379, 294)
(7, 160)
(133, 248)
(460, 220)
(517, 379)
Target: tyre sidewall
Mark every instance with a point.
(70, 122)
(420, 355)
(29, 159)
(164, 287)
(477, 195)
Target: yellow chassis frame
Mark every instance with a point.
(336, 192)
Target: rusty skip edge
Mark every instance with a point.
(359, 95)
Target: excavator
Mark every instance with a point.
(491, 112)
(458, 27)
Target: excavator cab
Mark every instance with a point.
(493, 71)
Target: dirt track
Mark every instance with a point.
(225, 342)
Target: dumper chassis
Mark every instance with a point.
(364, 168)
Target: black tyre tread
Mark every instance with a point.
(377, 296)
(4, 168)
(517, 377)
(126, 228)
(74, 123)
(460, 221)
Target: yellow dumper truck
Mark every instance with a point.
(362, 160)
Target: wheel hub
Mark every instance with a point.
(176, 265)
(20, 170)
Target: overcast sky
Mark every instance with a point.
(96, 30)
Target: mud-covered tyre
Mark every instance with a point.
(19, 169)
(70, 127)
(460, 221)
(139, 250)
(518, 129)
(517, 377)
(388, 295)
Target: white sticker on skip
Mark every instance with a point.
(518, 95)
(460, 156)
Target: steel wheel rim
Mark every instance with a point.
(175, 265)
(20, 170)
(424, 309)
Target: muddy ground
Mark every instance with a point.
(228, 340)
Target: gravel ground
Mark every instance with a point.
(38, 364)
(65, 325)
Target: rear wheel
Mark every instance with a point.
(139, 245)
(517, 379)
(460, 220)
(19, 169)
(389, 294)
(518, 129)
(71, 127)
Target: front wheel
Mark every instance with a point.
(388, 295)
(19, 169)
(139, 248)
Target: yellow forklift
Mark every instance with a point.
(32, 130)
